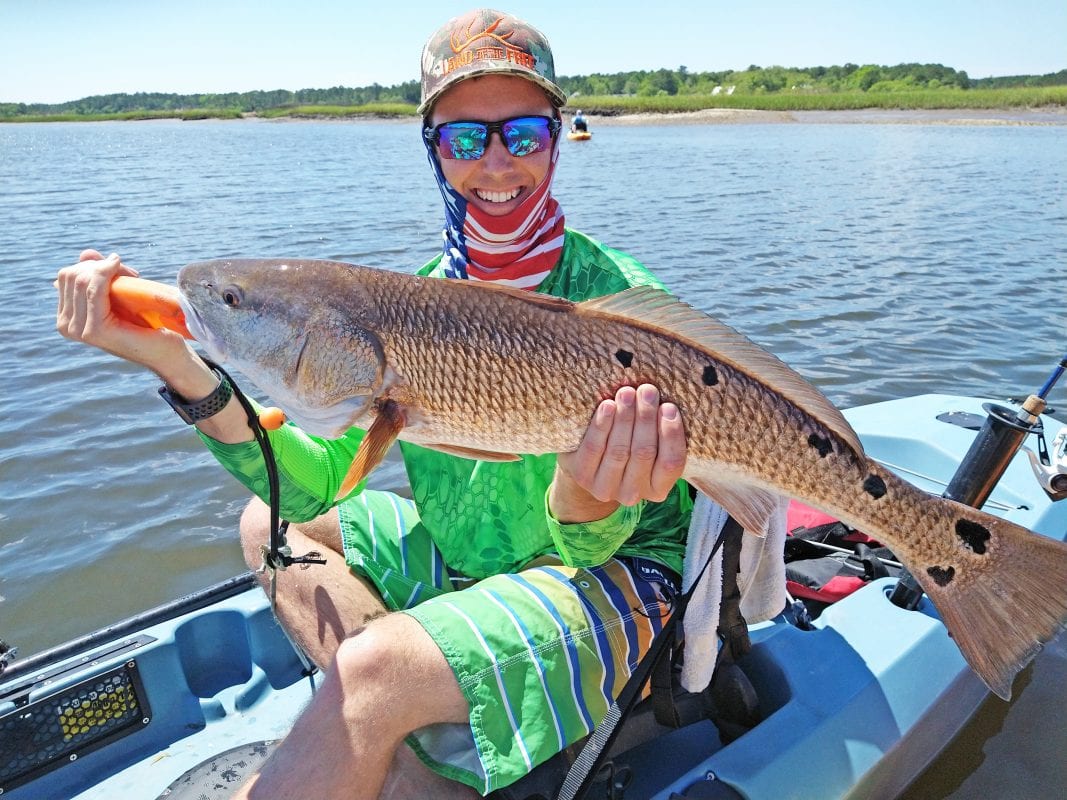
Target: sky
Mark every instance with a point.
(59, 50)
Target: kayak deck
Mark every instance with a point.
(138, 713)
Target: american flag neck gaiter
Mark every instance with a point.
(518, 249)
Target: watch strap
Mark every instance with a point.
(211, 405)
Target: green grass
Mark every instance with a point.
(366, 110)
(612, 105)
(186, 114)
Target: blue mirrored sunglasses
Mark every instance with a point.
(467, 139)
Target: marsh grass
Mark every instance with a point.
(187, 114)
(929, 99)
(614, 105)
(366, 110)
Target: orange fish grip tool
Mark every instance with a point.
(148, 303)
(151, 304)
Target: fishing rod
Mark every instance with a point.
(999, 440)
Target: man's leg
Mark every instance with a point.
(384, 683)
(385, 677)
(322, 604)
(409, 779)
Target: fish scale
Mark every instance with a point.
(489, 372)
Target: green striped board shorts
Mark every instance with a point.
(539, 654)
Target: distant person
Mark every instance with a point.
(489, 623)
(579, 123)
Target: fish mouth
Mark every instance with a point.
(214, 346)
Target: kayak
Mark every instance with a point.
(579, 136)
(186, 699)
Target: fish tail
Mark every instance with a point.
(1002, 597)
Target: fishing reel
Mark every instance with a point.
(1050, 468)
(7, 655)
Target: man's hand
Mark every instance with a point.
(84, 314)
(633, 450)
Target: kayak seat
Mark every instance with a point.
(730, 703)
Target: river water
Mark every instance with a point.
(880, 260)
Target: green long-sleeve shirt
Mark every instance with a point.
(485, 517)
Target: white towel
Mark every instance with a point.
(761, 581)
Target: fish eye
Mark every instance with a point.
(232, 296)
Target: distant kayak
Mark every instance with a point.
(579, 136)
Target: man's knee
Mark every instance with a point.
(363, 658)
(393, 663)
(376, 655)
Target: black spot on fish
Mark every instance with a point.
(874, 486)
(625, 357)
(941, 576)
(973, 535)
(710, 376)
(820, 443)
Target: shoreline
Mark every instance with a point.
(870, 116)
(1055, 115)
(1042, 116)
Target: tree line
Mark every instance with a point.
(246, 102)
(754, 80)
(815, 80)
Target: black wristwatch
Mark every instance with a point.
(201, 409)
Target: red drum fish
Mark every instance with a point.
(487, 372)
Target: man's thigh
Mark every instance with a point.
(539, 655)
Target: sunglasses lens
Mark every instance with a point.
(462, 140)
(526, 135)
(468, 140)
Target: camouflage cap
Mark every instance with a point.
(486, 41)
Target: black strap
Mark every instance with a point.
(278, 555)
(732, 630)
(732, 626)
(661, 682)
(587, 765)
(585, 768)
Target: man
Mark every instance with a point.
(489, 623)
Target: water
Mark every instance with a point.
(879, 260)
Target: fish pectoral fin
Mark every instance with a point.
(380, 437)
(753, 508)
(472, 453)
